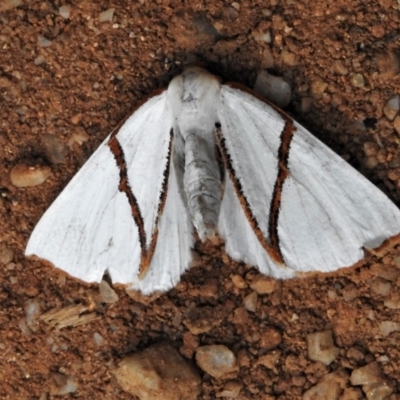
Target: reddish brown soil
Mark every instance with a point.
(87, 80)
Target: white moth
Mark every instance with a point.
(214, 157)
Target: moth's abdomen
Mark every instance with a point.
(202, 184)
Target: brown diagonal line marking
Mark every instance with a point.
(146, 253)
(283, 173)
(283, 170)
(124, 187)
(273, 252)
(146, 259)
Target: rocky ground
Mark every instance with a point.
(69, 72)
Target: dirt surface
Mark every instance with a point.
(66, 82)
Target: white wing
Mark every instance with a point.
(90, 228)
(325, 211)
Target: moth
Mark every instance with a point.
(211, 158)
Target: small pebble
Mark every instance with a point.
(43, 42)
(270, 339)
(239, 282)
(263, 284)
(393, 301)
(384, 359)
(273, 88)
(23, 175)
(357, 80)
(288, 58)
(158, 372)
(370, 148)
(201, 320)
(78, 137)
(107, 15)
(231, 389)
(270, 360)
(381, 286)
(371, 162)
(39, 60)
(370, 373)
(216, 360)
(382, 156)
(177, 319)
(326, 389)
(107, 293)
(54, 148)
(378, 391)
(392, 108)
(340, 67)
(355, 354)
(98, 339)
(32, 313)
(6, 254)
(318, 87)
(62, 384)
(250, 302)
(387, 327)
(65, 11)
(262, 34)
(396, 124)
(321, 348)
(378, 31)
(240, 316)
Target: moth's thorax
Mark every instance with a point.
(194, 98)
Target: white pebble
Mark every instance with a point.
(273, 88)
(23, 175)
(263, 36)
(107, 15)
(99, 340)
(383, 359)
(78, 137)
(321, 348)
(216, 360)
(65, 11)
(392, 107)
(32, 313)
(250, 302)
